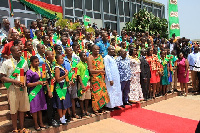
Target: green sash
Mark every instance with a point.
(84, 81)
(71, 72)
(34, 92)
(61, 92)
(17, 70)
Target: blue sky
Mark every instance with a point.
(189, 17)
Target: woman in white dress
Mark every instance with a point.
(135, 94)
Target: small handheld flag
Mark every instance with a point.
(43, 71)
(25, 55)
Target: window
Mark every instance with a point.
(3, 13)
(126, 8)
(121, 19)
(89, 14)
(96, 5)
(133, 8)
(78, 4)
(69, 3)
(4, 3)
(46, 1)
(112, 7)
(120, 4)
(113, 26)
(29, 23)
(97, 15)
(127, 19)
(155, 12)
(79, 13)
(18, 5)
(138, 7)
(113, 18)
(56, 2)
(159, 13)
(107, 25)
(105, 6)
(106, 17)
(88, 4)
(149, 9)
(69, 12)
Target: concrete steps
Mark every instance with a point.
(3, 97)
(3, 90)
(4, 106)
(6, 125)
(4, 115)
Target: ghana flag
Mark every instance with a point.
(48, 10)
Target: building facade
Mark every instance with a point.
(105, 13)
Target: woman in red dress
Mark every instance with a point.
(154, 68)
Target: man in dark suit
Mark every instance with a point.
(145, 74)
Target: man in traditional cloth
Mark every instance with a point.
(99, 91)
(17, 92)
(112, 79)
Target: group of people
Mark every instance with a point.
(49, 68)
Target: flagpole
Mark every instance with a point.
(168, 18)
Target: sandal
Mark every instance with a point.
(24, 130)
(45, 127)
(76, 116)
(38, 129)
(88, 114)
(15, 131)
(96, 113)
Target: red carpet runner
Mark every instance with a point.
(155, 121)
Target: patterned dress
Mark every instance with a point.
(99, 91)
(135, 94)
(154, 67)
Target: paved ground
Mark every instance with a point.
(186, 107)
(109, 125)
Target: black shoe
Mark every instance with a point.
(175, 90)
(169, 92)
(128, 104)
(123, 106)
(54, 123)
(145, 99)
(37, 129)
(117, 108)
(110, 109)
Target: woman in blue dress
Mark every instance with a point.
(61, 94)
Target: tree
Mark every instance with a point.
(145, 21)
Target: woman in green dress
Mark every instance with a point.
(165, 72)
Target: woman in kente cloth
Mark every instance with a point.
(36, 92)
(99, 91)
(62, 99)
(152, 59)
